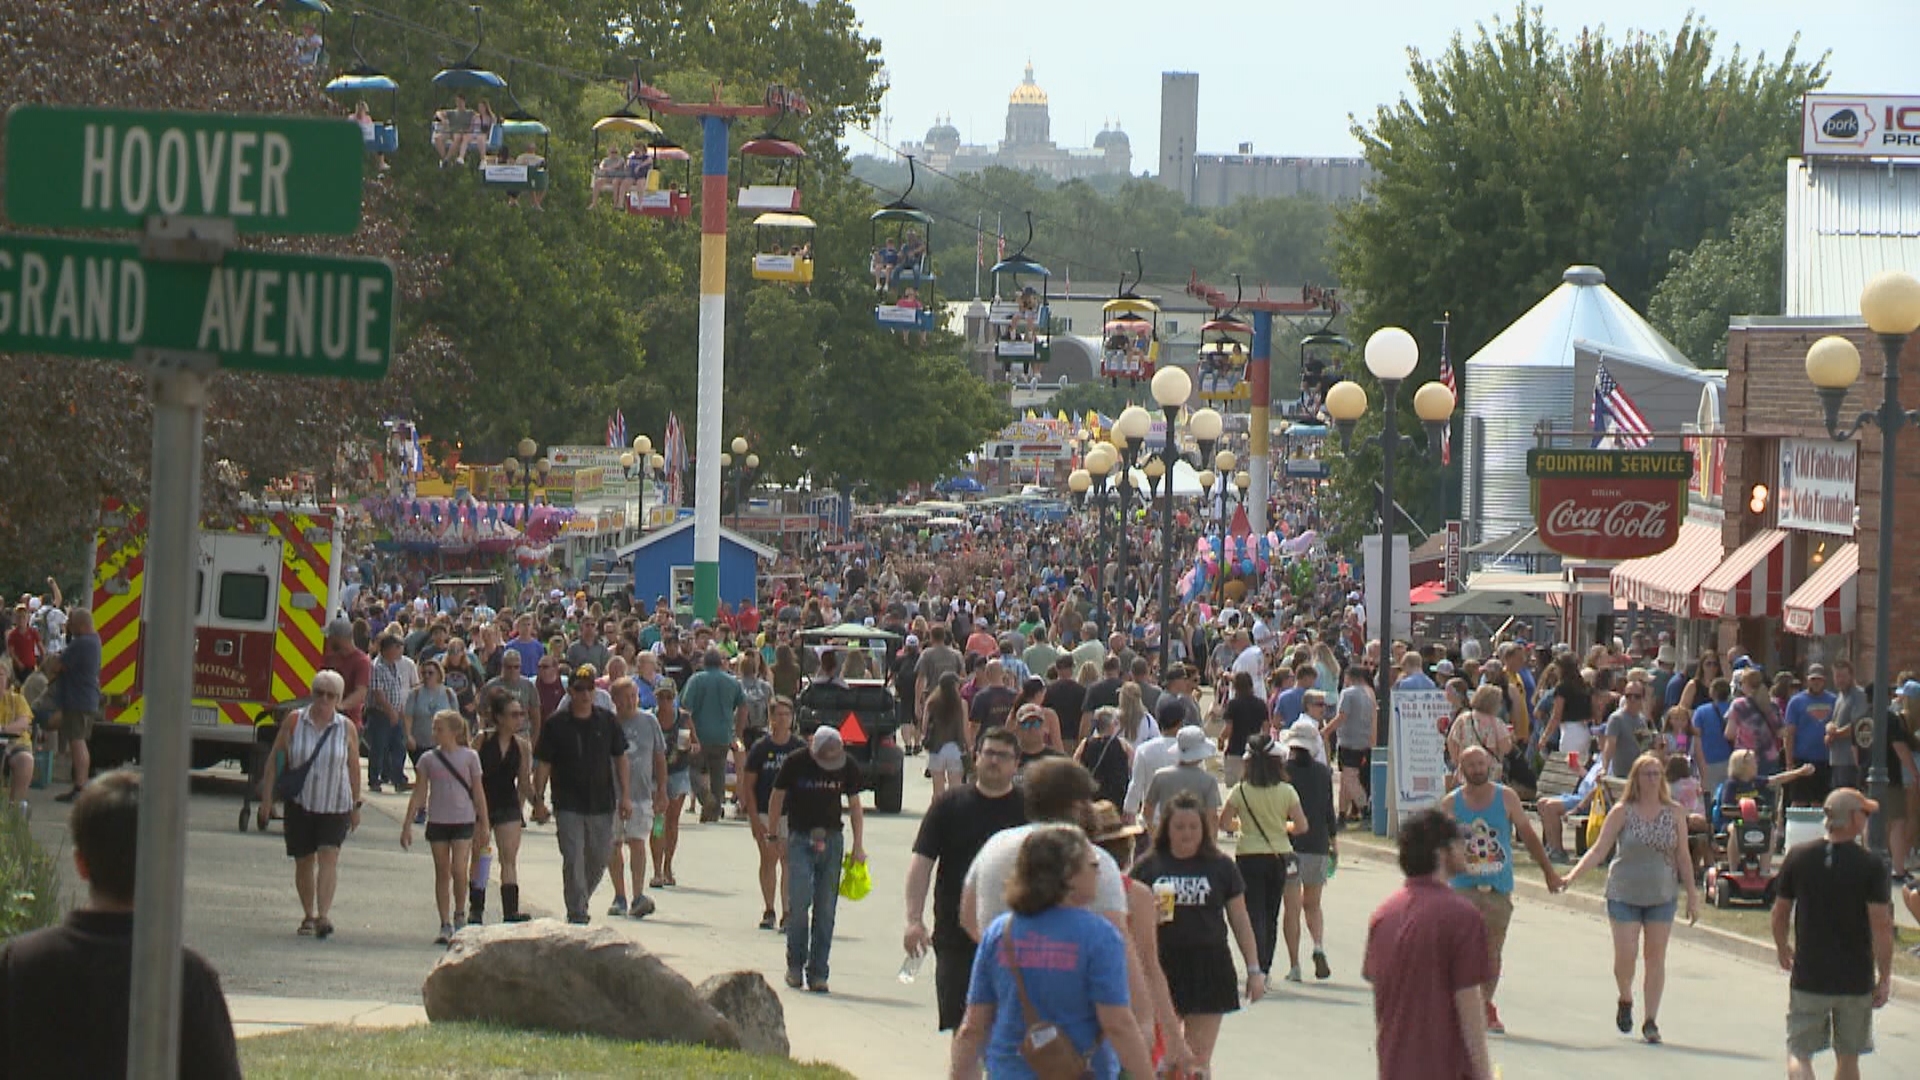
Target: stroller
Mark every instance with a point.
(1743, 840)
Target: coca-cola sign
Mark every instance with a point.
(1609, 504)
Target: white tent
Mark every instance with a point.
(1186, 482)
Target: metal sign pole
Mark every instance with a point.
(177, 386)
(178, 389)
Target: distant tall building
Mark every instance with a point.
(1028, 145)
(1179, 129)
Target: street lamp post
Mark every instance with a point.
(1171, 387)
(1891, 305)
(640, 463)
(747, 463)
(1391, 356)
(527, 470)
(1100, 461)
(1129, 434)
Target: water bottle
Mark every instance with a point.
(910, 967)
(659, 826)
(484, 871)
(1333, 863)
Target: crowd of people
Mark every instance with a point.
(1133, 811)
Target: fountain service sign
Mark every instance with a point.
(1609, 504)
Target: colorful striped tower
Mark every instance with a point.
(714, 155)
(1259, 419)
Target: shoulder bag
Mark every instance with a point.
(1046, 1049)
(291, 781)
(455, 773)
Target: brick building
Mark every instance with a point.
(1770, 402)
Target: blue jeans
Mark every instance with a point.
(386, 751)
(813, 888)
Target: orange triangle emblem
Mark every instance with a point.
(851, 733)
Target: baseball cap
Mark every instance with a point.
(1029, 712)
(1842, 802)
(828, 748)
(1444, 667)
(1816, 671)
(913, 641)
(585, 673)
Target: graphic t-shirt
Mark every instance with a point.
(1830, 886)
(764, 759)
(1191, 897)
(1808, 714)
(1071, 962)
(815, 795)
(955, 828)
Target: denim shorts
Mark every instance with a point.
(679, 784)
(1621, 911)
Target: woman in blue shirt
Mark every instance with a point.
(1072, 969)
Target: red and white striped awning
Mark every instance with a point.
(1824, 604)
(1666, 582)
(1752, 583)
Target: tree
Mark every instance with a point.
(79, 430)
(1720, 278)
(1518, 154)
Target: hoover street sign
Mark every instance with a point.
(285, 314)
(113, 168)
(1609, 504)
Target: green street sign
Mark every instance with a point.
(256, 311)
(113, 168)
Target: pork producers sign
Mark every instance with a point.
(1817, 485)
(1609, 504)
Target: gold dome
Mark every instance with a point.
(1028, 92)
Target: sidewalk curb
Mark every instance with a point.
(1377, 850)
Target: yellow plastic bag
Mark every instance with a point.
(1597, 815)
(855, 880)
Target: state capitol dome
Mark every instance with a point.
(1028, 92)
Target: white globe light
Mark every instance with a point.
(1133, 423)
(1206, 425)
(1171, 385)
(1392, 354)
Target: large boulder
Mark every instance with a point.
(745, 998)
(554, 977)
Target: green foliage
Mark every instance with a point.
(1351, 507)
(29, 879)
(1738, 274)
(1517, 155)
(1091, 227)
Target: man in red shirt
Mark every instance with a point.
(355, 669)
(23, 644)
(1427, 958)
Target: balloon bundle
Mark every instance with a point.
(1231, 556)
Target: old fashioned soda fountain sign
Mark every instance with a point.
(1609, 504)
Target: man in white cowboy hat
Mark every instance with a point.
(1189, 773)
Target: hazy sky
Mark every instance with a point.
(1281, 74)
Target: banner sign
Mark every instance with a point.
(1860, 125)
(1419, 750)
(1609, 504)
(1455, 569)
(1816, 489)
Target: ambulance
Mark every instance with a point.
(265, 585)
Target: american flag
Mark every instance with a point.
(617, 429)
(675, 453)
(1446, 380)
(1616, 422)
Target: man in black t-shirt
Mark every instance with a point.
(805, 808)
(579, 749)
(1067, 698)
(1107, 691)
(953, 831)
(991, 703)
(1838, 898)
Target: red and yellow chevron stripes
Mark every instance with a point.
(307, 551)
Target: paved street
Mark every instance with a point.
(1722, 1019)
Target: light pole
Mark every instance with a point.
(1129, 434)
(640, 463)
(746, 463)
(1391, 355)
(1099, 462)
(526, 469)
(1891, 305)
(1171, 387)
(1227, 482)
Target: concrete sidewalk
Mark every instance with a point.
(255, 1014)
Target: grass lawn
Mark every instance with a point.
(1746, 920)
(441, 1050)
